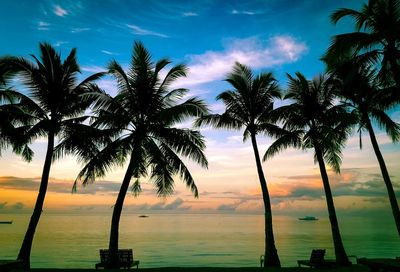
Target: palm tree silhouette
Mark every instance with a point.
(313, 121)
(53, 104)
(140, 125)
(377, 37)
(363, 94)
(248, 106)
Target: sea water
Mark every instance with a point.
(161, 240)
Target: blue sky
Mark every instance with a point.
(102, 30)
(282, 36)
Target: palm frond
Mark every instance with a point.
(385, 122)
(173, 74)
(289, 139)
(101, 161)
(136, 188)
(219, 121)
(193, 107)
(359, 17)
(188, 143)
(179, 167)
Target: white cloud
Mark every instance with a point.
(93, 69)
(43, 25)
(59, 11)
(108, 52)
(145, 32)
(79, 29)
(217, 107)
(396, 116)
(213, 66)
(235, 139)
(189, 14)
(243, 12)
(109, 85)
(59, 43)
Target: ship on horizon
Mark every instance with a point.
(308, 218)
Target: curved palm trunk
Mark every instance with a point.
(385, 175)
(271, 255)
(114, 233)
(340, 253)
(25, 250)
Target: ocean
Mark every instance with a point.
(165, 240)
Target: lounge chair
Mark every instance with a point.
(316, 259)
(125, 258)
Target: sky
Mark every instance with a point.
(281, 36)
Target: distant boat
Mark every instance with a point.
(143, 216)
(308, 218)
(5, 222)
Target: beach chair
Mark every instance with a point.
(316, 259)
(125, 258)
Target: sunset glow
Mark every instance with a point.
(266, 35)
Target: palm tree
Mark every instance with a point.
(53, 104)
(377, 36)
(248, 106)
(363, 94)
(140, 125)
(313, 121)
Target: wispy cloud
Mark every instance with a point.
(17, 206)
(59, 11)
(212, 65)
(110, 53)
(93, 69)
(145, 32)
(59, 43)
(109, 85)
(61, 186)
(189, 14)
(79, 29)
(176, 205)
(43, 25)
(243, 12)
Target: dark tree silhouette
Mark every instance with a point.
(376, 39)
(314, 121)
(248, 106)
(53, 104)
(363, 94)
(139, 126)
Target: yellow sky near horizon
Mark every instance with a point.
(229, 185)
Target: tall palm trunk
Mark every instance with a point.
(340, 253)
(25, 250)
(114, 233)
(271, 255)
(385, 174)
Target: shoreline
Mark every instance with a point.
(353, 268)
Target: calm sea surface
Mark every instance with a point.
(192, 239)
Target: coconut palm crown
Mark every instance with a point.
(247, 106)
(376, 39)
(313, 120)
(140, 126)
